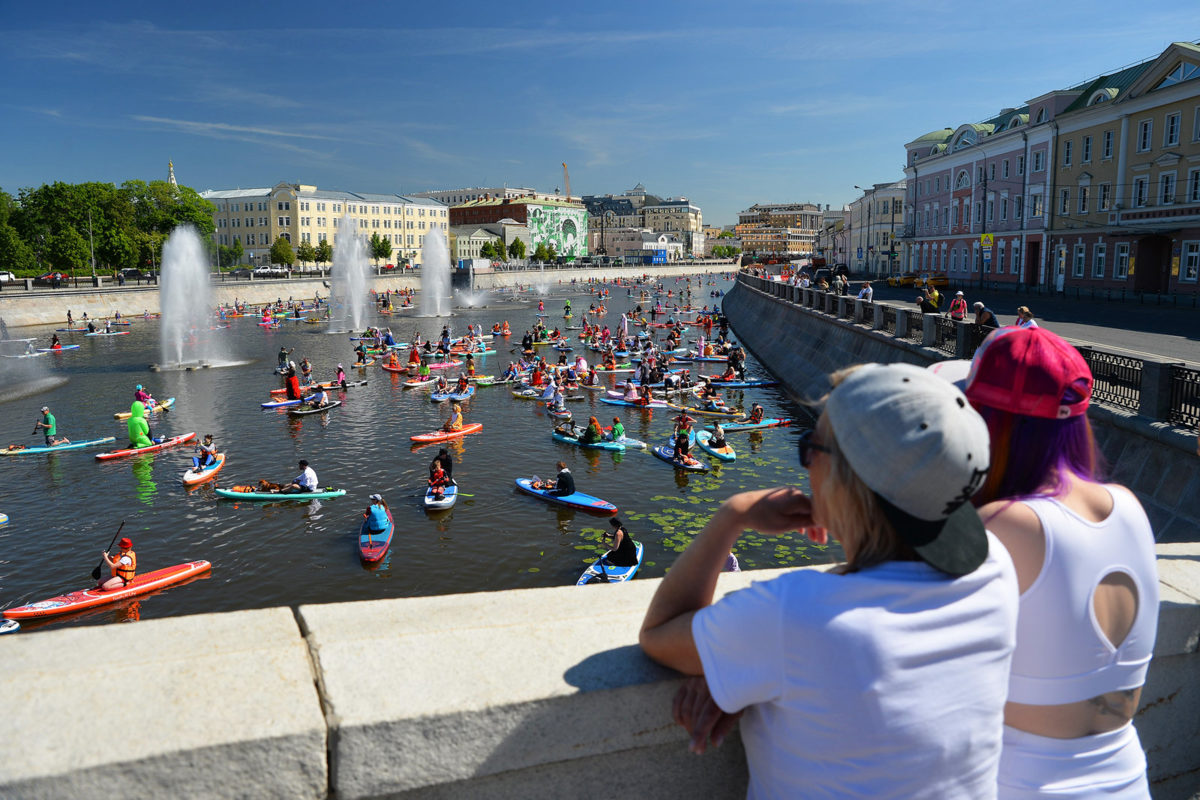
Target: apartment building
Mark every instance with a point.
(455, 197)
(552, 221)
(788, 229)
(303, 213)
(871, 226)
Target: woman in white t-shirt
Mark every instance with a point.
(884, 677)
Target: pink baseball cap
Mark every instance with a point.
(1031, 372)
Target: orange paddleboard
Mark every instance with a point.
(88, 598)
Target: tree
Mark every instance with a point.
(380, 247)
(516, 249)
(15, 255)
(236, 251)
(281, 252)
(305, 252)
(487, 250)
(726, 235)
(498, 249)
(540, 253)
(324, 252)
(551, 253)
(68, 251)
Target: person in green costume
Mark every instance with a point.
(139, 429)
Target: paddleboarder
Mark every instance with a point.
(207, 453)
(305, 482)
(623, 552)
(121, 569)
(376, 514)
(445, 460)
(48, 425)
(283, 358)
(438, 481)
(563, 483)
(455, 423)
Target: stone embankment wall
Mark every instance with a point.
(802, 345)
(20, 308)
(528, 693)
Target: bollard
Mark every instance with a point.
(928, 330)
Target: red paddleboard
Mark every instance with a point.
(390, 368)
(87, 598)
(441, 436)
(372, 545)
(136, 451)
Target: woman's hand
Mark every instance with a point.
(772, 511)
(695, 711)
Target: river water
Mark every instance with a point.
(65, 507)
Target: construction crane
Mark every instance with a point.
(567, 181)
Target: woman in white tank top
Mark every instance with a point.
(1085, 561)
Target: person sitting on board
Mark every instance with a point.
(438, 481)
(122, 568)
(441, 387)
(683, 423)
(207, 454)
(340, 378)
(143, 397)
(462, 385)
(510, 374)
(304, 483)
(392, 359)
(718, 437)
(319, 398)
(633, 392)
(388, 339)
(49, 427)
(444, 459)
(730, 374)
(563, 483)
(424, 371)
(592, 378)
(376, 515)
(455, 423)
(55, 344)
(622, 548)
(567, 427)
(756, 414)
(646, 396)
(593, 434)
(306, 370)
(610, 360)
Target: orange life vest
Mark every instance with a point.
(126, 572)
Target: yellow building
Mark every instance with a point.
(304, 213)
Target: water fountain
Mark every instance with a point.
(471, 298)
(350, 269)
(541, 285)
(185, 297)
(435, 276)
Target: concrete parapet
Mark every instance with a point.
(216, 705)
(526, 693)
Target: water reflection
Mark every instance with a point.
(143, 473)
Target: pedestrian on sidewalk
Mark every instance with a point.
(1025, 318)
(958, 307)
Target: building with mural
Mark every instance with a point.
(554, 222)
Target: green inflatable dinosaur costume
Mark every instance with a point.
(139, 429)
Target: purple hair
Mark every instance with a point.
(1030, 455)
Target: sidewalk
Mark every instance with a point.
(1172, 333)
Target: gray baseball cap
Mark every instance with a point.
(917, 443)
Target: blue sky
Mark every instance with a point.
(726, 103)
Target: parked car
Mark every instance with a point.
(933, 279)
(50, 278)
(7, 277)
(241, 272)
(902, 279)
(270, 271)
(388, 268)
(132, 274)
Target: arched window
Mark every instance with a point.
(964, 139)
(933, 151)
(1015, 122)
(1041, 115)
(1184, 72)
(963, 180)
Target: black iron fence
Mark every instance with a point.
(1152, 388)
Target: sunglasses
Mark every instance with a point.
(805, 446)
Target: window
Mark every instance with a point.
(1064, 202)
(1041, 116)
(945, 217)
(978, 211)
(1121, 265)
(1193, 187)
(974, 257)
(1140, 188)
(992, 171)
(1145, 131)
(979, 174)
(1035, 205)
(1003, 209)
(1039, 160)
(1106, 197)
(1083, 199)
(1020, 165)
(1098, 254)
(999, 255)
(1196, 125)
(321, 237)
(1077, 262)
(1106, 146)
(1016, 257)
(954, 260)
(963, 180)
(991, 207)
(1166, 188)
(1004, 169)
(1017, 206)
(1085, 151)
(1171, 130)
(1190, 267)
(1068, 147)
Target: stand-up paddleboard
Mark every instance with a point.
(416, 383)
(600, 571)
(312, 387)
(108, 333)
(195, 476)
(766, 422)
(441, 436)
(305, 409)
(372, 545)
(667, 454)
(88, 598)
(165, 405)
(30, 451)
(58, 349)
(9, 626)
(137, 451)
(601, 445)
(449, 498)
(652, 404)
(3, 519)
(704, 439)
(320, 494)
(579, 500)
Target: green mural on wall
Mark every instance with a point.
(565, 228)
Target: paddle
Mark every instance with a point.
(96, 571)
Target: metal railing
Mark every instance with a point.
(1185, 397)
(946, 338)
(1117, 379)
(914, 329)
(889, 319)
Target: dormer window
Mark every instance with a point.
(1185, 71)
(1041, 115)
(964, 139)
(1015, 122)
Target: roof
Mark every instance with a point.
(520, 201)
(935, 136)
(620, 206)
(322, 194)
(1113, 85)
(233, 194)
